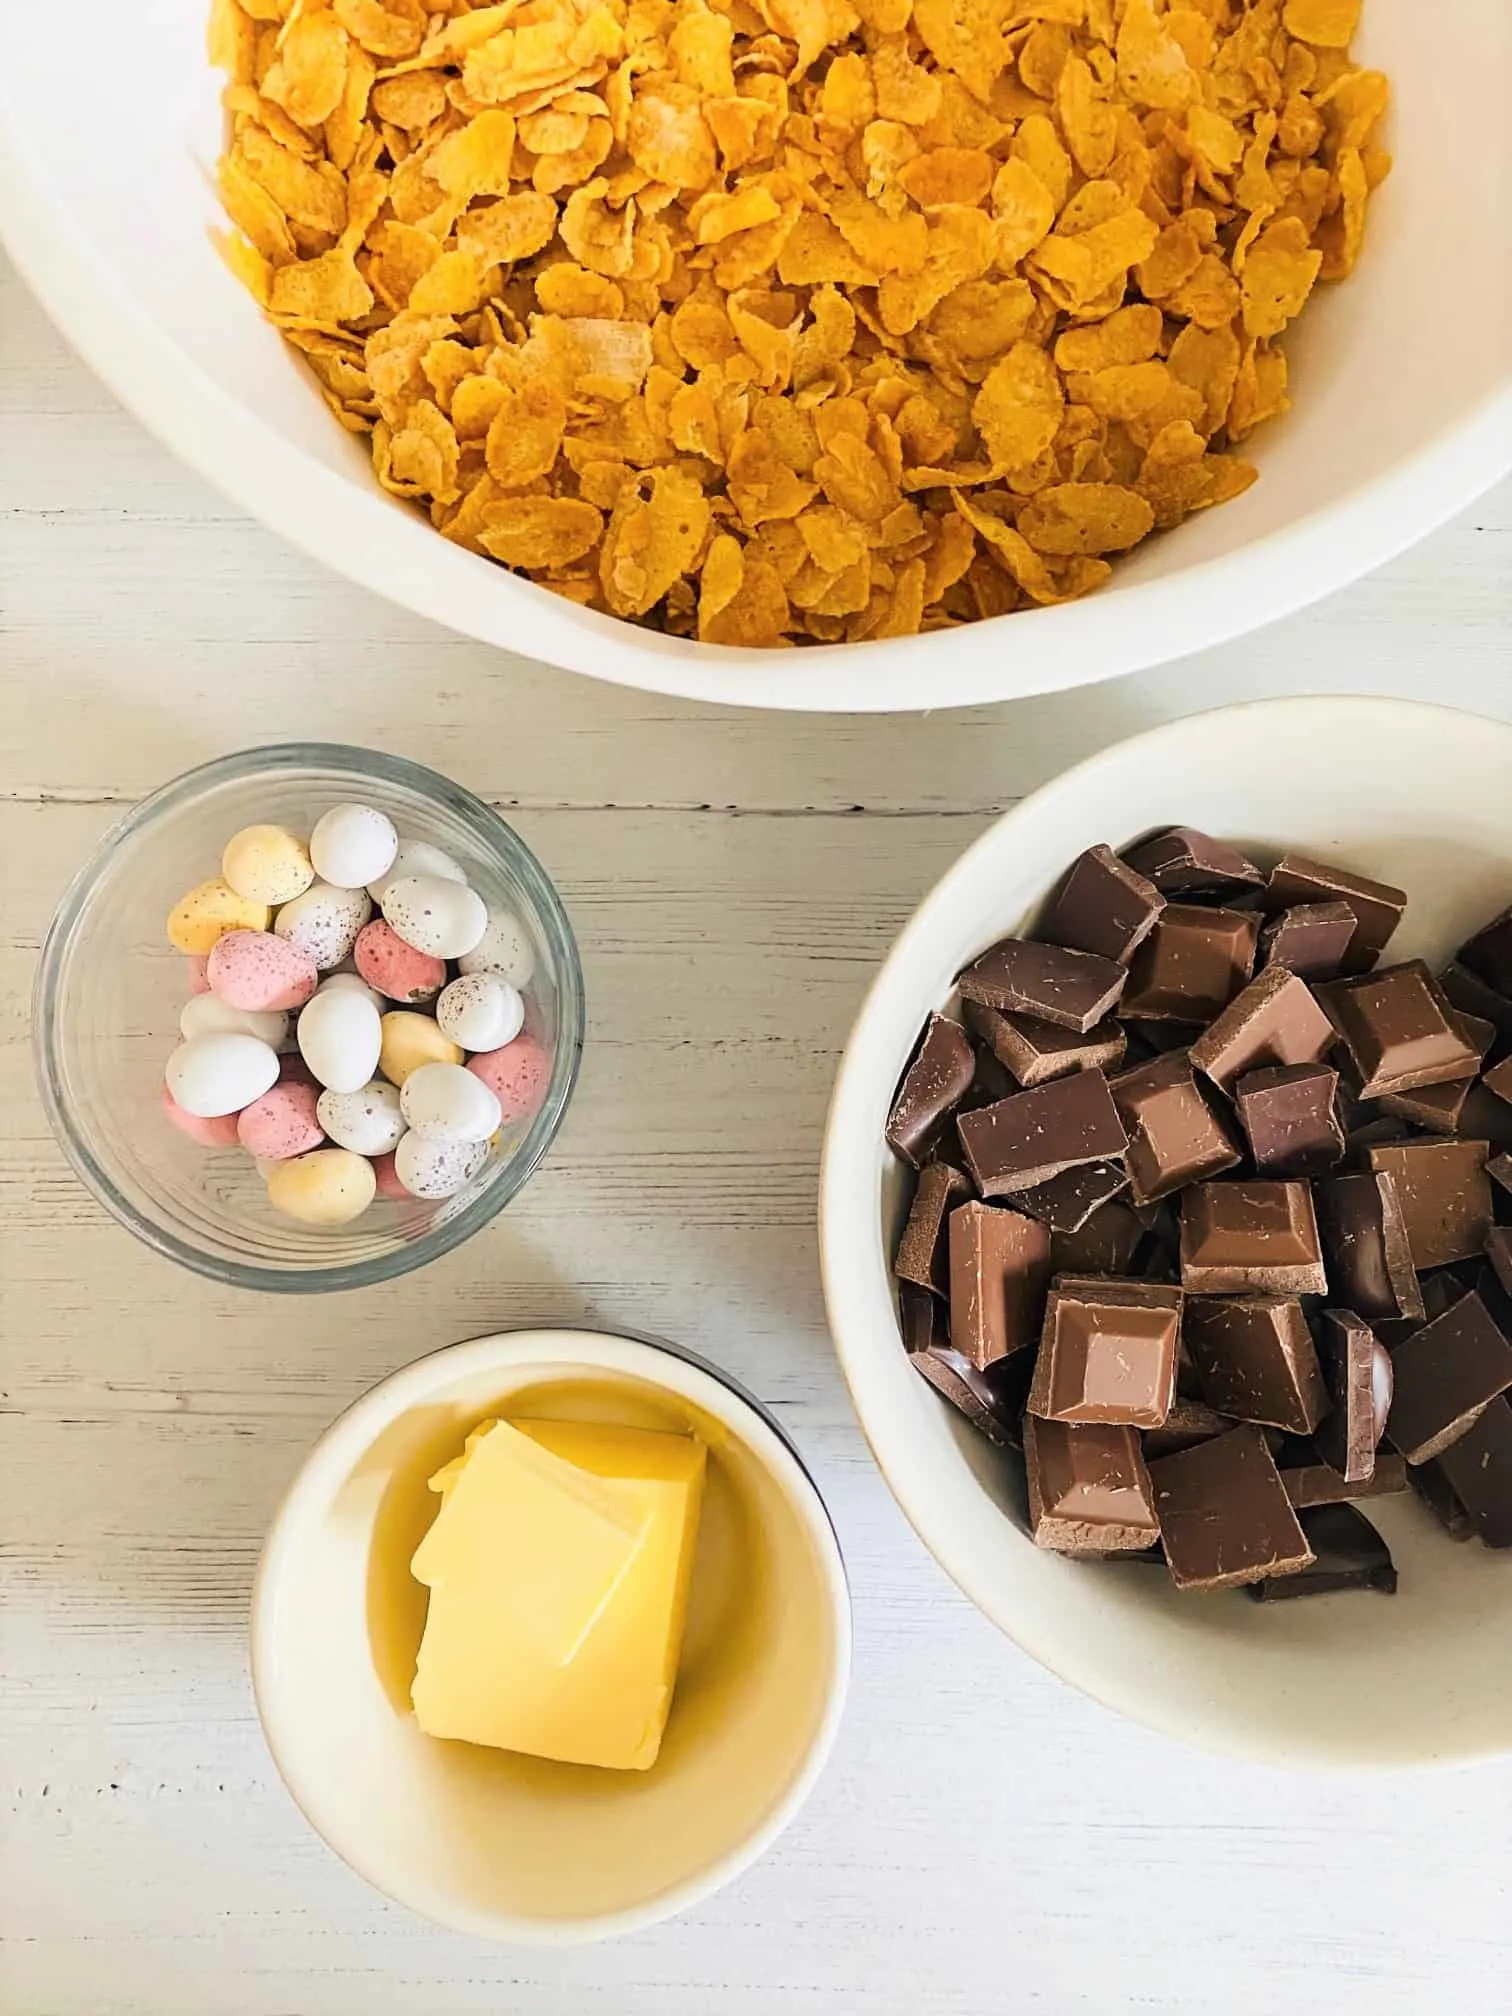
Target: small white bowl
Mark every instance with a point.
(512, 1847)
(1419, 796)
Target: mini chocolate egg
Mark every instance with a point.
(324, 922)
(368, 1121)
(340, 1035)
(280, 1124)
(445, 919)
(437, 1168)
(335, 983)
(444, 1102)
(220, 1073)
(410, 1040)
(209, 912)
(216, 1130)
(504, 948)
(394, 968)
(259, 970)
(417, 857)
(266, 865)
(207, 1015)
(330, 1186)
(481, 1011)
(353, 845)
(517, 1075)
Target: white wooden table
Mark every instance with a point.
(985, 1841)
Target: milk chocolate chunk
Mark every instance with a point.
(1377, 905)
(1438, 1494)
(1105, 1244)
(1311, 1482)
(1470, 995)
(923, 1255)
(1108, 1352)
(1035, 1052)
(1309, 940)
(1067, 1201)
(1089, 1490)
(1438, 1109)
(1191, 965)
(1175, 1137)
(1256, 1360)
(1181, 861)
(1103, 906)
(1250, 1237)
(1290, 1116)
(1478, 1468)
(933, 1085)
(1445, 1197)
(1348, 1553)
(1225, 1518)
(1274, 1021)
(1188, 1422)
(1446, 1373)
(999, 1268)
(1031, 1136)
(980, 1396)
(1357, 1372)
(1401, 1031)
(1488, 955)
(1075, 990)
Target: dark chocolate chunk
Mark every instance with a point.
(1445, 1197)
(1089, 1490)
(1181, 861)
(1401, 1030)
(1105, 1244)
(1035, 1052)
(1488, 955)
(1309, 940)
(1377, 905)
(1175, 1137)
(1471, 996)
(1438, 1109)
(1288, 1111)
(1075, 990)
(1446, 1373)
(1275, 1021)
(1108, 1353)
(980, 1396)
(1357, 1372)
(1103, 906)
(1348, 1553)
(1479, 1471)
(1499, 1253)
(1067, 1201)
(934, 1083)
(1499, 1080)
(999, 1269)
(1309, 1482)
(1189, 1421)
(1192, 964)
(1438, 1494)
(1031, 1136)
(1484, 1117)
(924, 1250)
(1225, 1518)
(1365, 1241)
(1256, 1359)
(1250, 1237)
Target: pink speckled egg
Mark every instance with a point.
(394, 968)
(282, 1123)
(217, 1132)
(517, 1074)
(253, 969)
(199, 979)
(388, 1183)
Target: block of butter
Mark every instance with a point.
(558, 1569)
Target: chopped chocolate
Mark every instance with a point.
(1499, 1253)
(1484, 1117)
(1377, 905)
(980, 1396)
(1189, 1421)
(1089, 1490)
(1478, 1468)
(1401, 1030)
(1446, 1373)
(1225, 1518)
(1181, 861)
(1499, 1080)
(1445, 1197)
(1437, 1108)
(1105, 1244)
(1250, 1237)
(1357, 1372)
(1256, 1359)
(933, 1085)
(1031, 1136)
(1439, 1495)
(1108, 1352)
(1310, 1482)
(924, 1250)
(999, 1268)
(1499, 1169)
(1488, 955)
(1348, 1553)
(1365, 1241)
(1309, 940)
(1192, 964)
(1471, 996)
(1034, 1052)
(1067, 1201)
(1074, 990)
(1103, 906)
(1289, 1114)
(1175, 1137)
(1275, 1021)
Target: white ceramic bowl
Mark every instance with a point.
(513, 1847)
(1419, 796)
(109, 125)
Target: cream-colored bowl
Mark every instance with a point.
(109, 128)
(1417, 795)
(514, 1847)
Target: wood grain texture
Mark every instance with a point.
(985, 1840)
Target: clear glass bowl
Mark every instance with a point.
(110, 988)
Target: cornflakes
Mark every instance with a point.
(798, 321)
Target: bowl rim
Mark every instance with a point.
(368, 538)
(552, 1347)
(440, 1238)
(846, 1219)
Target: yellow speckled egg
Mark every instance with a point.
(266, 865)
(207, 913)
(329, 1186)
(410, 1041)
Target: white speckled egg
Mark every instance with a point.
(446, 1102)
(340, 1035)
(367, 1121)
(417, 857)
(324, 922)
(220, 1072)
(208, 1015)
(437, 1168)
(480, 1011)
(504, 948)
(351, 983)
(445, 919)
(353, 845)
